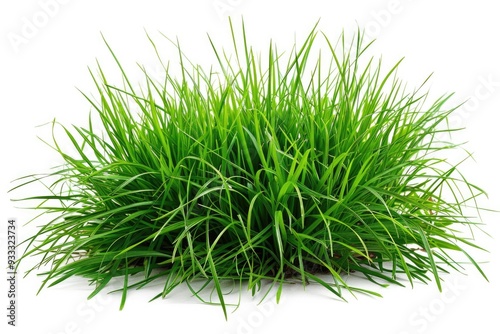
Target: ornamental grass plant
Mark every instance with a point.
(267, 167)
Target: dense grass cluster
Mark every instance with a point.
(264, 168)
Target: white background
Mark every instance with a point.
(42, 65)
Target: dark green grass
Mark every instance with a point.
(265, 167)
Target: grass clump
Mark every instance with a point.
(266, 168)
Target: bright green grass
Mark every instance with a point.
(262, 168)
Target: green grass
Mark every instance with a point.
(265, 167)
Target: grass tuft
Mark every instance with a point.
(263, 168)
